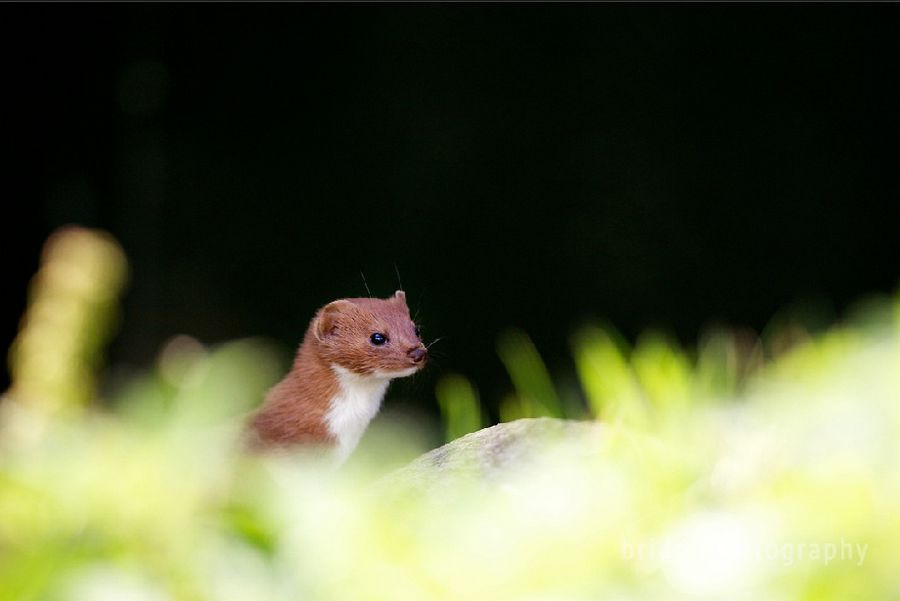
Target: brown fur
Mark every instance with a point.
(294, 410)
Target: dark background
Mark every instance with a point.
(522, 165)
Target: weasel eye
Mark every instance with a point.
(378, 338)
(418, 333)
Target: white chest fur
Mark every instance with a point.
(353, 407)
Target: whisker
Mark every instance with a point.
(365, 284)
(418, 306)
(434, 361)
(397, 271)
(435, 341)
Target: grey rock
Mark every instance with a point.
(489, 456)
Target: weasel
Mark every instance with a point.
(351, 351)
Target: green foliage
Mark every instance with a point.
(721, 473)
(535, 393)
(459, 406)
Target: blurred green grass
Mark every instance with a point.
(722, 469)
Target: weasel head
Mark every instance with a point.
(370, 337)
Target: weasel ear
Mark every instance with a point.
(326, 319)
(400, 295)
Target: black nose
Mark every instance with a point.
(418, 354)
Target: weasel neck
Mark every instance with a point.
(356, 402)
